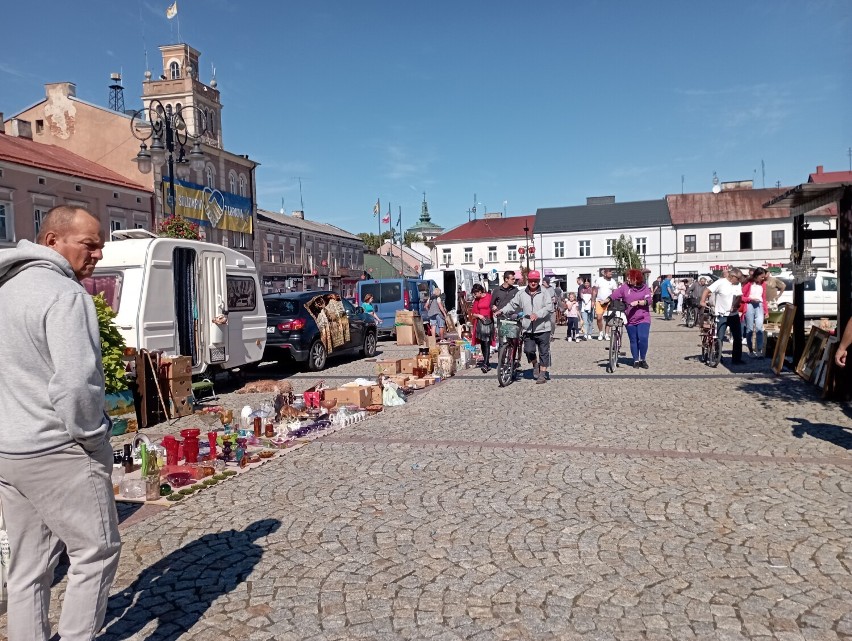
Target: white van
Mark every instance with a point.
(820, 294)
(184, 297)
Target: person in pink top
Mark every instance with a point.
(572, 316)
(637, 296)
(754, 309)
(483, 323)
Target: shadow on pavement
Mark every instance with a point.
(178, 589)
(782, 388)
(833, 434)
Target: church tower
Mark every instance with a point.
(179, 87)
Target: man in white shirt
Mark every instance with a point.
(604, 287)
(728, 292)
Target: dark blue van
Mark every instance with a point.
(392, 294)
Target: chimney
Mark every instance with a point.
(299, 214)
(494, 214)
(600, 200)
(819, 169)
(2, 128)
(66, 89)
(21, 128)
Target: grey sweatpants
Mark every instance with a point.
(61, 497)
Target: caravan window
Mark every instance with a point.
(382, 292)
(242, 294)
(108, 284)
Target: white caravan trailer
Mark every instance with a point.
(451, 280)
(184, 297)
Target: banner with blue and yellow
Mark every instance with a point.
(210, 207)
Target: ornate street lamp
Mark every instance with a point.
(527, 244)
(169, 135)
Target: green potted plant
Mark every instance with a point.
(119, 399)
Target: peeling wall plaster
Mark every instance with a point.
(60, 113)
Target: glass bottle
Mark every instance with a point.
(127, 459)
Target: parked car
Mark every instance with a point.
(308, 327)
(820, 294)
(393, 294)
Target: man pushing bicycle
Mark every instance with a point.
(537, 308)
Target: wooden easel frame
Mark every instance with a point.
(783, 338)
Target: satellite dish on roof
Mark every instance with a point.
(716, 189)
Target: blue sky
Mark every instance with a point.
(538, 104)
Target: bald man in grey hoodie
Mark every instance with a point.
(55, 456)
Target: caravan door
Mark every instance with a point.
(213, 308)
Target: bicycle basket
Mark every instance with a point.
(509, 329)
(616, 306)
(614, 320)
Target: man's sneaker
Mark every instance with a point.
(607, 337)
(600, 336)
(536, 371)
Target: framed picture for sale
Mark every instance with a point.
(813, 354)
(783, 338)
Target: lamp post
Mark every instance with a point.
(527, 244)
(169, 134)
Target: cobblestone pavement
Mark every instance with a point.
(681, 502)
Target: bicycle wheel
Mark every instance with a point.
(613, 351)
(505, 364)
(691, 316)
(715, 354)
(705, 349)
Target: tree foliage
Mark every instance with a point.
(374, 241)
(112, 346)
(625, 255)
(412, 237)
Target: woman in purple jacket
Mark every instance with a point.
(637, 296)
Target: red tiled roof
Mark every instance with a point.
(830, 176)
(486, 228)
(56, 159)
(726, 206)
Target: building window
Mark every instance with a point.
(492, 254)
(446, 259)
(139, 226)
(232, 179)
(78, 188)
(242, 185)
(513, 252)
(239, 240)
(559, 249)
(174, 69)
(211, 177)
(280, 250)
(292, 251)
(115, 194)
(138, 200)
(42, 180)
(689, 244)
(38, 217)
(224, 238)
(778, 239)
(468, 254)
(610, 246)
(39, 126)
(584, 248)
(715, 242)
(115, 225)
(641, 246)
(270, 252)
(6, 221)
(745, 240)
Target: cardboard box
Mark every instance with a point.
(359, 396)
(405, 317)
(400, 379)
(405, 335)
(432, 342)
(407, 365)
(428, 380)
(376, 395)
(179, 367)
(417, 383)
(388, 367)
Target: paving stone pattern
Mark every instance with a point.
(680, 502)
